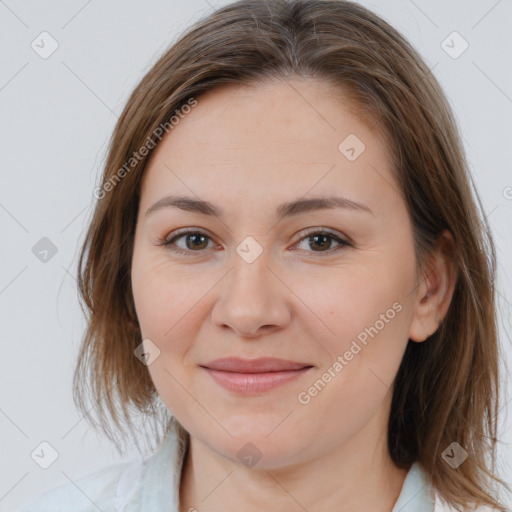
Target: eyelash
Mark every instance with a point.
(169, 243)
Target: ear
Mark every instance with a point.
(434, 292)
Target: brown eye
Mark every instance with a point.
(322, 241)
(194, 241)
(197, 241)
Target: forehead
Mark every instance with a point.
(275, 139)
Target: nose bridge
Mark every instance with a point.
(250, 264)
(250, 260)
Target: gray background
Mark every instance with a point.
(56, 115)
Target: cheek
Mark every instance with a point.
(366, 314)
(367, 320)
(170, 312)
(349, 304)
(172, 305)
(165, 297)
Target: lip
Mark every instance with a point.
(254, 376)
(261, 365)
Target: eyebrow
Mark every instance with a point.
(291, 208)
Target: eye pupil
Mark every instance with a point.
(195, 238)
(324, 240)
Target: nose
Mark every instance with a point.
(252, 299)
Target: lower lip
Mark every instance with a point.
(254, 383)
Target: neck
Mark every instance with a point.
(355, 476)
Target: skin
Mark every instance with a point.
(247, 150)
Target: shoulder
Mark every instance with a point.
(419, 493)
(442, 506)
(96, 490)
(140, 484)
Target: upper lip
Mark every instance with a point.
(262, 365)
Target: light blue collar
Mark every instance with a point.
(416, 494)
(163, 466)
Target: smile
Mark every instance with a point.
(254, 376)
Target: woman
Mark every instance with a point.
(287, 255)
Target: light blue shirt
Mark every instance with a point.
(143, 485)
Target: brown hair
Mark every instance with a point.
(447, 388)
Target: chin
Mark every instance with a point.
(255, 448)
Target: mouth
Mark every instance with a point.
(254, 376)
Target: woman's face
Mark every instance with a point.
(330, 289)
